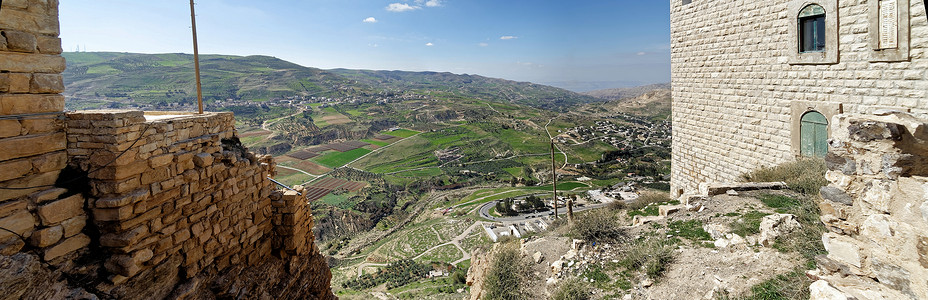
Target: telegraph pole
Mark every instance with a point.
(196, 57)
(553, 179)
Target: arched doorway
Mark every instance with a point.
(813, 134)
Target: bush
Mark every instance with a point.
(597, 225)
(648, 198)
(572, 289)
(805, 175)
(508, 275)
(651, 255)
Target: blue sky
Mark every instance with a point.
(615, 42)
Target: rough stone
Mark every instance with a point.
(46, 84)
(46, 237)
(14, 169)
(776, 225)
(55, 212)
(20, 223)
(842, 249)
(73, 225)
(69, 245)
(821, 290)
(836, 195)
(11, 148)
(20, 41)
(203, 160)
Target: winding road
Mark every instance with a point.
(456, 241)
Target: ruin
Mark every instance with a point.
(128, 204)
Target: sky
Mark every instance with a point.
(602, 43)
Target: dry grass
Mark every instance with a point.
(804, 175)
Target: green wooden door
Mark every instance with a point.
(813, 135)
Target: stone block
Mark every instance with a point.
(19, 41)
(46, 84)
(203, 159)
(121, 172)
(69, 245)
(11, 148)
(30, 63)
(40, 181)
(665, 210)
(123, 199)
(46, 237)
(50, 162)
(4, 78)
(161, 160)
(14, 169)
(47, 195)
(124, 239)
(122, 265)
(842, 249)
(113, 214)
(19, 82)
(20, 223)
(48, 44)
(73, 226)
(821, 290)
(55, 212)
(10, 207)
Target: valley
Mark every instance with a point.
(403, 169)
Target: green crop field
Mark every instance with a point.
(376, 142)
(338, 159)
(403, 133)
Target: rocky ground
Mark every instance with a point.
(707, 260)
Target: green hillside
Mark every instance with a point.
(168, 78)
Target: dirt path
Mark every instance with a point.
(456, 241)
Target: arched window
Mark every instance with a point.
(813, 134)
(812, 29)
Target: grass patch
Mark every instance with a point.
(375, 142)
(573, 289)
(779, 202)
(650, 255)
(403, 133)
(691, 229)
(748, 224)
(805, 175)
(338, 159)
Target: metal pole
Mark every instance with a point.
(554, 179)
(196, 57)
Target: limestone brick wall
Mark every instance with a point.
(876, 209)
(734, 90)
(175, 187)
(34, 214)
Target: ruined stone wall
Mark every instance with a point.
(736, 95)
(876, 209)
(34, 214)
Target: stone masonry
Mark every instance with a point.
(738, 97)
(876, 209)
(34, 214)
(133, 205)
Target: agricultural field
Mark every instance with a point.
(338, 159)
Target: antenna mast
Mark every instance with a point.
(196, 57)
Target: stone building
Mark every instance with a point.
(756, 83)
(133, 205)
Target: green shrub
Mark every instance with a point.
(572, 289)
(805, 175)
(597, 225)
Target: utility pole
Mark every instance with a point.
(553, 179)
(196, 57)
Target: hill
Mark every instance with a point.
(650, 102)
(106, 77)
(622, 93)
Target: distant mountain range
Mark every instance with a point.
(151, 78)
(622, 93)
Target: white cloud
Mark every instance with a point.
(370, 20)
(433, 3)
(401, 7)
(483, 44)
(430, 44)
(508, 37)
(642, 53)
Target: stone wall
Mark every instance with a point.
(737, 98)
(34, 214)
(876, 209)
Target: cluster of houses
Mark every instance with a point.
(496, 231)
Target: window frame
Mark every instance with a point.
(827, 56)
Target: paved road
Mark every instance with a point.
(485, 212)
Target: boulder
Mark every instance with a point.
(538, 257)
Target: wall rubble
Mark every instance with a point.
(876, 209)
